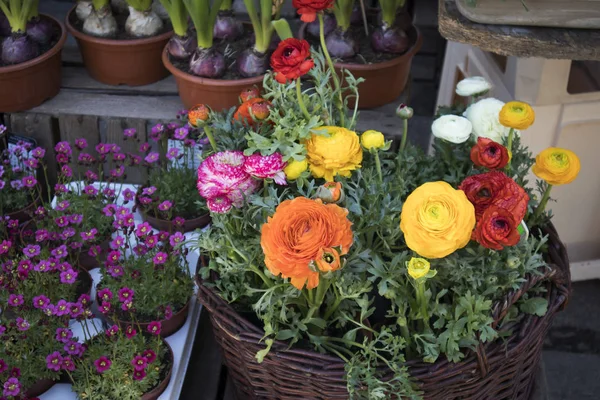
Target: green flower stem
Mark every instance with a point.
(420, 290)
(178, 15)
(203, 15)
(404, 134)
(262, 276)
(311, 296)
(336, 79)
(378, 166)
(388, 11)
(540, 208)
(211, 138)
(301, 100)
(511, 134)
(406, 335)
(336, 350)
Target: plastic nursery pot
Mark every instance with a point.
(87, 262)
(29, 84)
(168, 326)
(219, 94)
(158, 390)
(167, 226)
(384, 81)
(38, 388)
(24, 215)
(121, 62)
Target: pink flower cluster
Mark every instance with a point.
(227, 177)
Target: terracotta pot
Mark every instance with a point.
(24, 215)
(167, 226)
(122, 62)
(385, 81)
(38, 388)
(219, 94)
(29, 84)
(168, 326)
(157, 391)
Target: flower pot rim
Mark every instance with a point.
(207, 81)
(42, 58)
(416, 46)
(38, 198)
(112, 42)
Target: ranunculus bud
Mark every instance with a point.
(198, 115)
(248, 94)
(372, 140)
(404, 111)
(330, 192)
(418, 267)
(452, 128)
(473, 86)
(260, 110)
(294, 169)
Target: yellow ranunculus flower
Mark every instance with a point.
(517, 115)
(294, 169)
(418, 267)
(437, 220)
(372, 140)
(556, 166)
(337, 154)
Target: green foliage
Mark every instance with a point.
(179, 186)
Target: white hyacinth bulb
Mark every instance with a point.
(143, 23)
(83, 9)
(100, 23)
(484, 116)
(473, 86)
(452, 128)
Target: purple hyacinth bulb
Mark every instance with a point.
(341, 44)
(391, 40)
(227, 27)
(4, 25)
(208, 63)
(356, 16)
(182, 47)
(251, 63)
(329, 25)
(40, 30)
(18, 48)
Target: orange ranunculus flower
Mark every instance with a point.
(303, 237)
(250, 111)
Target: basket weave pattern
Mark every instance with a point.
(503, 369)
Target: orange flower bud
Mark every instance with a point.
(252, 110)
(330, 192)
(260, 110)
(198, 114)
(249, 93)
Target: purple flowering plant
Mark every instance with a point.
(172, 176)
(149, 283)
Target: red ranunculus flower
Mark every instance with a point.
(489, 154)
(495, 188)
(496, 229)
(308, 9)
(291, 60)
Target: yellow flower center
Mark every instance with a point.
(435, 214)
(559, 160)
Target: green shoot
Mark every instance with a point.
(342, 10)
(140, 5)
(17, 12)
(177, 14)
(203, 16)
(389, 9)
(263, 29)
(282, 27)
(34, 12)
(100, 4)
(226, 5)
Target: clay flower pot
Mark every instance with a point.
(122, 62)
(168, 326)
(24, 215)
(167, 226)
(29, 84)
(38, 388)
(219, 94)
(384, 81)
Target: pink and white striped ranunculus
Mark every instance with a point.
(266, 167)
(223, 181)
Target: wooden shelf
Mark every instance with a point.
(518, 41)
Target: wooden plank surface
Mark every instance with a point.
(551, 43)
(41, 128)
(581, 14)
(78, 78)
(114, 134)
(74, 127)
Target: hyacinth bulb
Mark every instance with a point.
(4, 25)
(356, 16)
(84, 9)
(341, 44)
(208, 63)
(143, 23)
(329, 25)
(100, 23)
(182, 47)
(251, 63)
(227, 27)
(40, 30)
(389, 40)
(19, 48)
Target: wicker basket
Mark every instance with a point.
(504, 369)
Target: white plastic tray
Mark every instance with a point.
(181, 342)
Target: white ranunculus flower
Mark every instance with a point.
(473, 86)
(484, 117)
(452, 128)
